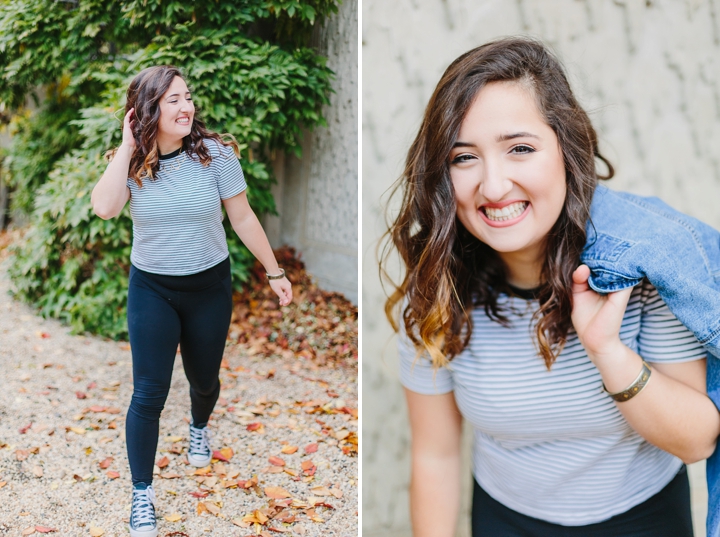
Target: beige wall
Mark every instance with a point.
(317, 196)
(647, 71)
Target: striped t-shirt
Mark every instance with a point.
(177, 217)
(552, 444)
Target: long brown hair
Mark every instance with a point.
(448, 271)
(144, 94)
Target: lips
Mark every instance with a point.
(183, 120)
(504, 214)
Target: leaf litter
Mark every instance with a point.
(284, 429)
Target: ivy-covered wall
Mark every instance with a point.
(252, 71)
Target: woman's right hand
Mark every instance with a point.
(128, 138)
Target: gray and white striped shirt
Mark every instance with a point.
(177, 217)
(551, 444)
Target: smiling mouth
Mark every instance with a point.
(509, 212)
(183, 121)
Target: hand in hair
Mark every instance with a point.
(597, 318)
(128, 137)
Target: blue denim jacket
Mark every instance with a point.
(632, 237)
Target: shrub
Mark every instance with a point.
(250, 74)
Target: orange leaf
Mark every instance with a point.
(307, 464)
(277, 493)
(217, 454)
(162, 463)
(106, 463)
(289, 450)
(112, 475)
(255, 426)
(44, 529)
(170, 475)
(311, 448)
(276, 461)
(81, 395)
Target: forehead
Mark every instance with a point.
(503, 105)
(177, 86)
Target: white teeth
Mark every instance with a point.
(183, 121)
(506, 213)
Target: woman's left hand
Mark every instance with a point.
(283, 289)
(597, 318)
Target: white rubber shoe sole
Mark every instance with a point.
(199, 461)
(147, 533)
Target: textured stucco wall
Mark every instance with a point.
(317, 195)
(647, 71)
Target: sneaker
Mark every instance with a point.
(142, 513)
(200, 453)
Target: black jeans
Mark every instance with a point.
(667, 514)
(163, 311)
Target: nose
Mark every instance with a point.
(495, 184)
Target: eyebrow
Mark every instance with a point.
(500, 138)
(176, 95)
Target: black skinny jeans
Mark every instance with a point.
(163, 311)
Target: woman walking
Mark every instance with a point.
(584, 407)
(177, 176)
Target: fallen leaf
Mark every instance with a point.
(44, 529)
(321, 491)
(37, 471)
(97, 408)
(256, 426)
(163, 462)
(336, 492)
(106, 463)
(173, 439)
(217, 454)
(28, 531)
(170, 475)
(112, 475)
(21, 454)
(173, 518)
(76, 430)
(277, 493)
(199, 494)
(96, 532)
(311, 448)
(81, 395)
(289, 450)
(276, 461)
(25, 429)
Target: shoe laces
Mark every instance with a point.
(143, 508)
(199, 440)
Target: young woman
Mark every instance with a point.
(584, 407)
(177, 176)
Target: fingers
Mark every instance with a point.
(580, 279)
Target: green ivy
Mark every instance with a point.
(251, 73)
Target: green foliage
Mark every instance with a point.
(251, 74)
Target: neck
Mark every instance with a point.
(168, 146)
(524, 269)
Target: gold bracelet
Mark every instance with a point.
(635, 388)
(276, 276)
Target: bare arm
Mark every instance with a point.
(436, 426)
(248, 228)
(673, 411)
(111, 192)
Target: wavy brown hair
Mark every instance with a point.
(447, 270)
(144, 94)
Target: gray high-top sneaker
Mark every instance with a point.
(142, 513)
(199, 454)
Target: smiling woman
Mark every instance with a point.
(177, 176)
(574, 433)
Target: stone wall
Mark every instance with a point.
(317, 196)
(648, 72)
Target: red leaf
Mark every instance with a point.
(219, 456)
(23, 430)
(276, 461)
(81, 395)
(106, 463)
(254, 426)
(112, 475)
(163, 462)
(200, 494)
(92, 385)
(311, 448)
(44, 529)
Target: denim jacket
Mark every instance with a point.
(632, 237)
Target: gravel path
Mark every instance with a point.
(63, 464)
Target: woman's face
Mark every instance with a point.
(508, 172)
(176, 111)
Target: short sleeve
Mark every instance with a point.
(230, 178)
(662, 337)
(417, 373)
